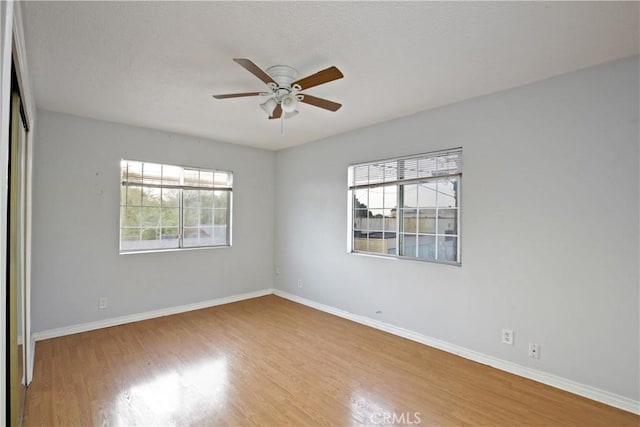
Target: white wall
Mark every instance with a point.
(76, 195)
(550, 226)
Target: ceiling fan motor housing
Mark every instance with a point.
(283, 74)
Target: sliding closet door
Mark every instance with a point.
(16, 263)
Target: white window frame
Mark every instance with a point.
(181, 187)
(422, 176)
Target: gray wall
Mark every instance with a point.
(76, 195)
(549, 226)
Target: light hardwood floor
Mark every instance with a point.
(269, 361)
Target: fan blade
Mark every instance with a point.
(236, 95)
(324, 76)
(276, 113)
(255, 70)
(320, 102)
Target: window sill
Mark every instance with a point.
(151, 251)
(401, 258)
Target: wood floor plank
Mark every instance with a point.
(272, 362)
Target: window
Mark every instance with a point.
(171, 207)
(407, 207)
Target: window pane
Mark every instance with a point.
(168, 238)
(360, 198)
(391, 196)
(132, 217)
(447, 189)
(359, 241)
(427, 194)
(427, 247)
(360, 220)
(427, 221)
(390, 243)
(376, 220)
(220, 217)
(190, 236)
(190, 217)
(151, 196)
(360, 213)
(409, 221)
(447, 248)
(198, 236)
(206, 199)
(206, 235)
(150, 234)
(151, 216)
(129, 238)
(220, 234)
(170, 233)
(191, 198)
(377, 243)
(408, 245)
(389, 222)
(206, 216)
(410, 195)
(221, 199)
(376, 197)
(170, 217)
(170, 197)
(130, 233)
(134, 196)
(447, 221)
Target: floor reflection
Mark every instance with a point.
(168, 397)
(367, 408)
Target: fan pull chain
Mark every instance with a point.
(282, 124)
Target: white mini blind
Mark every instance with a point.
(423, 166)
(156, 175)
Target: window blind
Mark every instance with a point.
(405, 169)
(167, 176)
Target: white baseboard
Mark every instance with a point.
(115, 321)
(571, 386)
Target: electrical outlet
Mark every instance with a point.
(534, 350)
(507, 336)
(299, 283)
(104, 303)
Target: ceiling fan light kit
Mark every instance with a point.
(285, 87)
(269, 105)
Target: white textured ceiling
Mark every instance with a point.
(156, 64)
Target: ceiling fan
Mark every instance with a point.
(285, 87)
